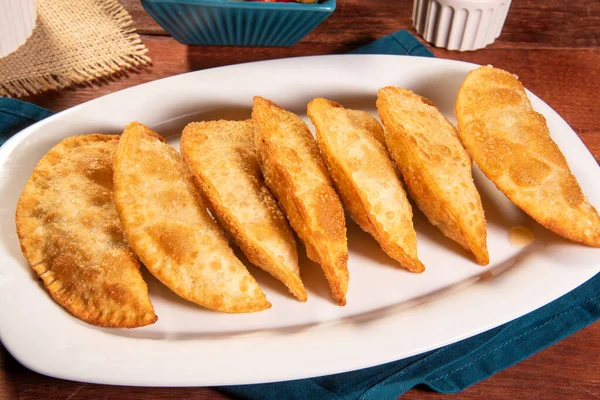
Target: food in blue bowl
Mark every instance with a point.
(238, 23)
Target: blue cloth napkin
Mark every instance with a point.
(449, 369)
(399, 43)
(16, 115)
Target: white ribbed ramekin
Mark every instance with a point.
(17, 20)
(460, 24)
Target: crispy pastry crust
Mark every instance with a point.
(169, 228)
(72, 237)
(435, 167)
(365, 178)
(221, 157)
(511, 143)
(295, 173)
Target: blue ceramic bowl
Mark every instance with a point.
(233, 23)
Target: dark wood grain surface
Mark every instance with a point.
(554, 47)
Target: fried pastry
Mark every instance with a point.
(365, 178)
(72, 237)
(435, 167)
(511, 143)
(221, 157)
(295, 173)
(168, 227)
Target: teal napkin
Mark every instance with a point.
(16, 115)
(449, 369)
(399, 43)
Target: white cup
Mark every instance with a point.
(17, 20)
(460, 24)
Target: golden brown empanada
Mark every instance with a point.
(72, 237)
(221, 157)
(435, 167)
(365, 178)
(169, 228)
(511, 144)
(295, 172)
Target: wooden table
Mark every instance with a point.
(554, 47)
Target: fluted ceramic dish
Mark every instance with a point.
(237, 23)
(460, 24)
(391, 313)
(17, 20)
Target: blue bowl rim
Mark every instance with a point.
(327, 5)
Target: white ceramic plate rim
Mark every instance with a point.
(76, 352)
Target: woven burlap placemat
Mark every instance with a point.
(74, 41)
